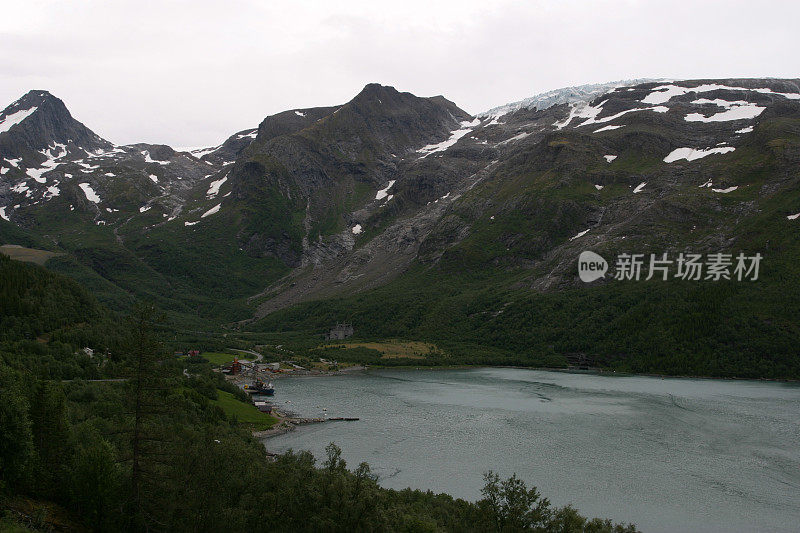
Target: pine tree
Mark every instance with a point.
(146, 391)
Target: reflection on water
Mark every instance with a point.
(666, 454)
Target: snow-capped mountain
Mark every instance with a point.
(46, 154)
(320, 202)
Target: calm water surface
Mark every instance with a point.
(666, 454)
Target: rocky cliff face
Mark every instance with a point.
(326, 163)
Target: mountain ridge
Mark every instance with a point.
(391, 193)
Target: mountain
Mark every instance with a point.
(151, 221)
(411, 218)
(39, 122)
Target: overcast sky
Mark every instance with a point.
(190, 73)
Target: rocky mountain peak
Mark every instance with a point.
(35, 98)
(39, 121)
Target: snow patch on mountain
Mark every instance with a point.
(211, 211)
(581, 234)
(691, 154)
(213, 189)
(607, 128)
(790, 96)
(455, 135)
(736, 110)
(49, 164)
(515, 138)
(381, 194)
(148, 159)
(590, 113)
(89, 192)
(665, 93)
(198, 152)
(15, 118)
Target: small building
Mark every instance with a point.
(274, 367)
(194, 353)
(235, 367)
(264, 407)
(340, 331)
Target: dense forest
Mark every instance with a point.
(101, 431)
(705, 328)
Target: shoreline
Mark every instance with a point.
(285, 424)
(597, 371)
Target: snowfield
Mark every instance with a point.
(581, 234)
(148, 159)
(606, 128)
(455, 135)
(691, 154)
(213, 189)
(590, 113)
(211, 211)
(736, 110)
(383, 193)
(15, 118)
(89, 192)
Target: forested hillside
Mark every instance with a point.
(101, 431)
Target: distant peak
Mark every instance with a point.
(31, 99)
(39, 93)
(37, 96)
(376, 90)
(376, 87)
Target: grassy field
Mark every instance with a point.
(244, 413)
(218, 358)
(393, 349)
(29, 255)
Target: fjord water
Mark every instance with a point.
(665, 454)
